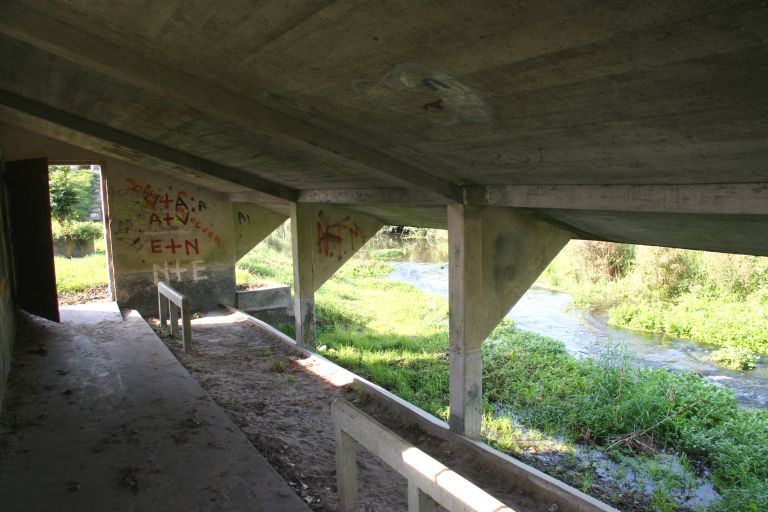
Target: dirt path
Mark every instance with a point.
(285, 410)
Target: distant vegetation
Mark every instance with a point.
(714, 298)
(71, 192)
(72, 200)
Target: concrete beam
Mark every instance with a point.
(103, 56)
(378, 196)
(151, 149)
(729, 198)
(324, 238)
(253, 196)
(495, 255)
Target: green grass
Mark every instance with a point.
(79, 274)
(264, 264)
(705, 319)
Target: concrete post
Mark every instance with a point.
(174, 318)
(346, 470)
(162, 310)
(324, 238)
(495, 254)
(302, 235)
(418, 501)
(186, 325)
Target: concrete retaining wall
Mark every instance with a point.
(272, 304)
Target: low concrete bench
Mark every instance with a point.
(170, 301)
(429, 481)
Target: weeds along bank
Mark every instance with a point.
(540, 402)
(708, 297)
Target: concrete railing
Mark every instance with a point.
(429, 481)
(170, 301)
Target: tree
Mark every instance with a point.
(63, 191)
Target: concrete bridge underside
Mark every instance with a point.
(515, 127)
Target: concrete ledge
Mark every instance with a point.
(537, 482)
(276, 296)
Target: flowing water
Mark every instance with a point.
(585, 333)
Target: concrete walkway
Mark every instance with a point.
(101, 416)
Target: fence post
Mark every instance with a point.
(418, 501)
(346, 470)
(186, 325)
(174, 318)
(162, 312)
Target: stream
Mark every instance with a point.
(587, 333)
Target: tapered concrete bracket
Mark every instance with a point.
(324, 238)
(495, 255)
(252, 224)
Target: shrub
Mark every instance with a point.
(63, 192)
(75, 230)
(736, 358)
(662, 273)
(604, 260)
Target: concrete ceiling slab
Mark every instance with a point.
(350, 95)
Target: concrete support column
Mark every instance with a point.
(302, 235)
(324, 238)
(495, 254)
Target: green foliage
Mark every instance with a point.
(71, 192)
(76, 230)
(709, 297)
(388, 254)
(604, 260)
(728, 324)
(63, 192)
(736, 358)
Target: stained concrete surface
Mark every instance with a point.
(101, 416)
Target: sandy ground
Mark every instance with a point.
(284, 410)
(98, 293)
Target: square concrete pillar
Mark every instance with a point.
(495, 255)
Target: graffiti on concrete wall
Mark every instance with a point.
(243, 218)
(164, 228)
(416, 89)
(337, 238)
(166, 271)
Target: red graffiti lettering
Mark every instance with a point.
(166, 200)
(173, 246)
(189, 244)
(156, 246)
